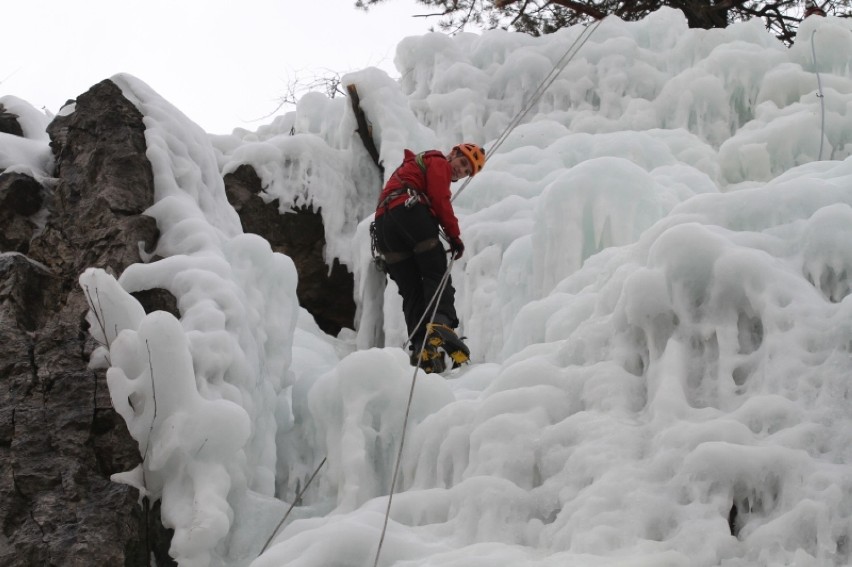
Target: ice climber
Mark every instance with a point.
(413, 203)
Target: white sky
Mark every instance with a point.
(224, 64)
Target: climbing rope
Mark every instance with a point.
(434, 300)
(433, 303)
(819, 96)
(569, 54)
(297, 499)
(441, 285)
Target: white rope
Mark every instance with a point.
(820, 96)
(441, 285)
(534, 98)
(293, 505)
(434, 300)
(569, 54)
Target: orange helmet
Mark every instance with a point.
(474, 154)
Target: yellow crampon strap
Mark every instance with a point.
(434, 338)
(429, 354)
(459, 357)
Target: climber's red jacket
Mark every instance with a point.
(433, 181)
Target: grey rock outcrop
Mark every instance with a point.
(60, 439)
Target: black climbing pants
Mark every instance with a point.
(416, 262)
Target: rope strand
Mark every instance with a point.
(820, 96)
(569, 54)
(293, 505)
(434, 300)
(534, 98)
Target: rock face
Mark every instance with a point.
(9, 123)
(21, 197)
(60, 439)
(326, 294)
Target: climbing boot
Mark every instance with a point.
(429, 360)
(443, 337)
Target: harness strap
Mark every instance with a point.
(415, 195)
(419, 248)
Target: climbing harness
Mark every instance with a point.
(820, 96)
(415, 197)
(382, 259)
(569, 54)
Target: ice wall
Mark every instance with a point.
(655, 290)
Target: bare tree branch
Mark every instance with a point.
(537, 17)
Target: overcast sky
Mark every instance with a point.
(223, 63)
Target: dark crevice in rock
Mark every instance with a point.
(33, 364)
(326, 293)
(158, 299)
(9, 122)
(732, 520)
(21, 197)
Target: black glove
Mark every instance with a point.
(456, 247)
